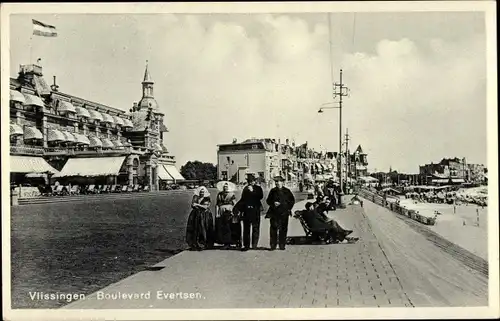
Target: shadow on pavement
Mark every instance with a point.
(170, 251)
(303, 240)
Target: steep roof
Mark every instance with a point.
(147, 75)
(359, 149)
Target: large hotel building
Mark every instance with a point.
(78, 141)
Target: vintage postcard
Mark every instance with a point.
(282, 160)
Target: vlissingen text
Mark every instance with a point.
(58, 296)
(158, 295)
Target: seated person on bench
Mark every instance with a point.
(317, 222)
(322, 206)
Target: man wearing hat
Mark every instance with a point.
(250, 205)
(281, 202)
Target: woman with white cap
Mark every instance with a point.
(200, 224)
(224, 214)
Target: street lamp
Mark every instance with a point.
(320, 111)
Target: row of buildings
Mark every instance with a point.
(80, 141)
(267, 157)
(453, 170)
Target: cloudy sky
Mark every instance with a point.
(417, 80)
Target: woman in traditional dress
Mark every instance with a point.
(200, 224)
(224, 216)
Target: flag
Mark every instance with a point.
(41, 29)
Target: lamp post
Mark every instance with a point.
(320, 111)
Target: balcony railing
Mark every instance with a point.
(26, 150)
(54, 151)
(62, 151)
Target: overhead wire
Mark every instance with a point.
(330, 47)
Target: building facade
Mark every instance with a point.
(358, 163)
(454, 170)
(75, 139)
(267, 158)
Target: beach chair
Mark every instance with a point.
(146, 188)
(74, 190)
(66, 190)
(312, 235)
(135, 188)
(113, 189)
(307, 230)
(124, 189)
(91, 189)
(58, 190)
(105, 189)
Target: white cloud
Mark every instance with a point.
(413, 99)
(408, 106)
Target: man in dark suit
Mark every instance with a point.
(281, 202)
(330, 193)
(250, 205)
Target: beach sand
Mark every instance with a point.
(457, 225)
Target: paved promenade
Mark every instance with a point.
(364, 274)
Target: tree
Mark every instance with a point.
(197, 170)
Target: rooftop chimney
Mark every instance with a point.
(235, 140)
(54, 86)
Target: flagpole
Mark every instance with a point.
(31, 49)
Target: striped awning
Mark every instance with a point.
(66, 107)
(127, 123)
(17, 96)
(94, 166)
(32, 133)
(107, 143)
(308, 176)
(69, 137)
(30, 164)
(81, 139)
(15, 130)
(118, 143)
(118, 120)
(55, 135)
(33, 100)
(82, 112)
(106, 118)
(95, 115)
(95, 142)
(172, 171)
(163, 174)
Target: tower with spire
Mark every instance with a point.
(148, 101)
(147, 118)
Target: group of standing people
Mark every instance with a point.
(203, 231)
